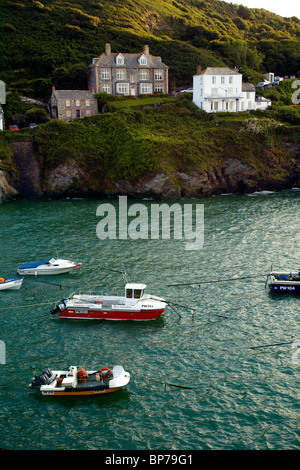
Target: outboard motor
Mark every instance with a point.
(45, 378)
(59, 308)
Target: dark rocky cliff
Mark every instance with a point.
(68, 179)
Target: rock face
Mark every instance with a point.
(70, 179)
(28, 184)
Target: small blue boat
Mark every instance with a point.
(283, 281)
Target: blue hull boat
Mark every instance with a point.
(282, 281)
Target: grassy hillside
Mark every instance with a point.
(176, 137)
(56, 40)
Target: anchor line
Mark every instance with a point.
(212, 281)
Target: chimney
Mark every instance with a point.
(107, 49)
(146, 50)
(93, 90)
(53, 89)
(199, 69)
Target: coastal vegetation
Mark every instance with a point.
(140, 139)
(46, 42)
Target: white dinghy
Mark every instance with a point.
(10, 283)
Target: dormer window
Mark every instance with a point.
(143, 60)
(120, 59)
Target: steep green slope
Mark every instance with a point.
(57, 39)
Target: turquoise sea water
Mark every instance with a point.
(239, 398)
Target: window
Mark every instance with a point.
(77, 103)
(129, 293)
(88, 103)
(230, 79)
(105, 74)
(144, 75)
(68, 103)
(248, 95)
(158, 75)
(216, 105)
(137, 293)
(132, 79)
(120, 60)
(214, 80)
(143, 60)
(106, 88)
(123, 88)
(158, 88)
(214, 91)
(121, 75)
(78, 113)
(88, 112)
(222, 80)
(145, 88)
(68, 113)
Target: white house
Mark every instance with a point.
(220, 89)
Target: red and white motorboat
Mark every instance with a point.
(135, 305)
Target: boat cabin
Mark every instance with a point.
(134, 291)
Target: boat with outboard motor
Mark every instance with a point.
(10, 283)
(47, 266)
(135, 305)
(284, 281)
(75, 381)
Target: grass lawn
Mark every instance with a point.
(143, 101)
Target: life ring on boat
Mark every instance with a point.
(2, 279)
(105, 372)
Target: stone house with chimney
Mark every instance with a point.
(70, 104)
(128, 74)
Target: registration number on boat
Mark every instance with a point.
(286, 288)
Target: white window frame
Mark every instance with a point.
(144, 75)
(120, 59)
(105, 74)
(143, 60)
(145, 88)
(121, 74)
(88, 103)
(106, 88)
(158, 88)
(214, 79)
(68, 103)
(122, 88)
(158, 75)
(77, 103)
